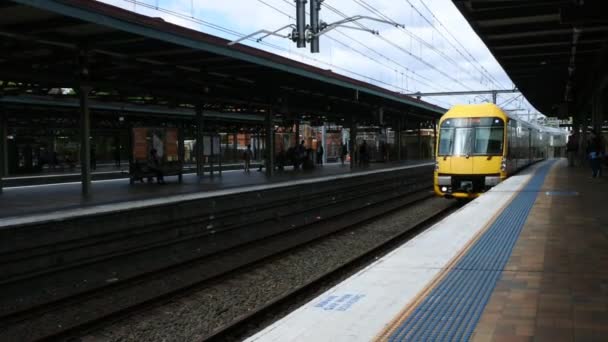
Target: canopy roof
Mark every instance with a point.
(553, 50)
(135, 58)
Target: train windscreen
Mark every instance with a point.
(471, 136)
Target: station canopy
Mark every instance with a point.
(143, 60)
(553, 50)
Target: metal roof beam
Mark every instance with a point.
(498, 5)
(589, 12)
(538, 33)
(467, 92)
(548, 54)
(519, 20)
(549, 44)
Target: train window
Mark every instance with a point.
(462, 141)
(446, 138)
(488, 140)
(471, 136)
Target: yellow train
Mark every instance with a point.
(480, 145)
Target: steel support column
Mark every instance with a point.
(297, 132)
(85, 141)
(235, 147)
(181, 148)
(85, 121)
(323, 144)
(419, 140)
(257, 144)
(353, 141)
(200, 122)
(3, 147)
(269, 151)
(398, 139)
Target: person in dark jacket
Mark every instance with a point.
(572, 149)
(320, 154)
(595, 154)
(154, 164)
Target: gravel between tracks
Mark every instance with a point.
(195, 315)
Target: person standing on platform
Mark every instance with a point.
(93, 158)
(247, 157)
(117, 156)
(595, 154)
(320, 154)
(363, 156)
(155, 165)
(343, 153)
(572, 149)
(300, 155)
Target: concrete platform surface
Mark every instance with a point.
(527, 261)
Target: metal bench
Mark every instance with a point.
(139, 170)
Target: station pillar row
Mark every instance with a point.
(419, 140)
(297, 132)
(398, 139)
(85, 140)
(200, 121)
(353, 141)
(269, 155)
(181, 149)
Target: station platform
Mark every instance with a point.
(24, 201)
(527, 261)
(102, 172)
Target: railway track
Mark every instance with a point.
(266, 314)
(80, 310)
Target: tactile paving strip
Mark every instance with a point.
(452, 309)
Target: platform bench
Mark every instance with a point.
(140, 170)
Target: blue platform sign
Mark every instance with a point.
(339, 303)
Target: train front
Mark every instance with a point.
(470, 153)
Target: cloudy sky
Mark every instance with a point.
(437, 51)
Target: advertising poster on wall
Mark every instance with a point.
(171, 144)
(207, 145)
(140, 143)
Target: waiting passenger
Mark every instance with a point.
(281, 160)
(247, 157)
(320, 154)
(343, 153)
(595, 154)
(572, 149)
(363, 154)
(300, 155)
(154, 165)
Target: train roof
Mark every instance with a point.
(490, 109)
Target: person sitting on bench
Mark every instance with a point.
(154, 166)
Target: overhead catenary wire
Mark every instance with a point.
(406, 69)
(375, 11)
(225, 30)
(337, 41)
(471, 59)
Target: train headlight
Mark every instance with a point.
(444, 188)
(503, 165)
(436, 166)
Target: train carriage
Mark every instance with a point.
(480, 145)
